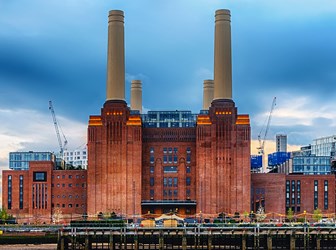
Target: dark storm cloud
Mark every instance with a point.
(52, 50)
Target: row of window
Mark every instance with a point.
(171, 157)
(75, 153)
(170, 169)
(170, 181)
(10, 189)
(70, 205)
(69, 196)
(170, 150)
(293, 194)
(169, 192)
(69, 185)
(69, 176)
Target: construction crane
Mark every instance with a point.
(262, 138)
(58, 128)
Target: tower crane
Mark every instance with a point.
(57, 129)
(262, 138)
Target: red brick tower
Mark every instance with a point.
(223, 138)
(114, 139)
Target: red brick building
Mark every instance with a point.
(138, 165)
(36, 194)
(279, 192)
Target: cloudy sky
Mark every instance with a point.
(56, 50)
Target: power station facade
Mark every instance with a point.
(168, 161)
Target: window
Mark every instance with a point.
(188, 170)
(21, 192)
(40, 176)
(188, 158)
(165, 159)
(70, 184)
(151, 193)
(188, 181)
(70, 176)
(325, 195)
(9, 187)
(63, 176)
(175, 181)
(293, 192)
(151, 181)
(151, 158)
(63, 185)
(175, 158)
(175, 193)
(287, 193)
(165, 182)
(151, 169)
(170, 182)
(170, 169)
(315, 194)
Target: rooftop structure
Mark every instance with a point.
(20, 160)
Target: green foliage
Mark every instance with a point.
(290, 214)
(317, 214)
(3, 214)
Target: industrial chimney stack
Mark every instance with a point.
(208, 93)
(136, 95)
(222, 67)
(115, 85)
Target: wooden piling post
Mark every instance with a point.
(269, 242)
(292, 242)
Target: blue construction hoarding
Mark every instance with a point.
(256, 161)
(278, 158)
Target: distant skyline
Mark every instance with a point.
(54, 50)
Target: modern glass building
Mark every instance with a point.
(324, 146)
(20, 160)
(309, 165)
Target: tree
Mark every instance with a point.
(317, 216)
(3, 214)
(290, 214)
